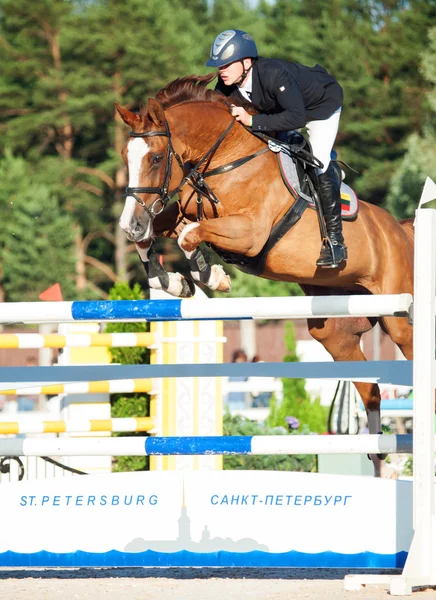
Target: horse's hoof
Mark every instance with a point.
(188, 288)
(177, 285)
(219, 280)
(389, 472)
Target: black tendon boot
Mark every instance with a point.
(330, 193)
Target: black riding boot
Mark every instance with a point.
(330, 193)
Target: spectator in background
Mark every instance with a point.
(28, 403)
(261, 399)
(236, 400)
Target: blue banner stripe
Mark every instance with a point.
(235, 444)
(149, 310)
(220, 558)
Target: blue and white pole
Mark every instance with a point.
(295, 307)
(170, 446)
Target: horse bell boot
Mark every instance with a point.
(333, 250)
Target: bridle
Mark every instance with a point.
(164, 195)
(194, 178)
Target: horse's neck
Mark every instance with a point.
(198, 126)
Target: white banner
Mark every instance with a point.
(240, 518)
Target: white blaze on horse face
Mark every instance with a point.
(136, 150)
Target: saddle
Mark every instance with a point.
(296, 163)
(294, 175)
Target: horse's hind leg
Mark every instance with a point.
(401, 333)
(341, 338)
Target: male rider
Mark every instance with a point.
(289, 96)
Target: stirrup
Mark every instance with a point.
(327, 258)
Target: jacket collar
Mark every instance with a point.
(255, 84)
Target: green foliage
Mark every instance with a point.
(237, 425)
(419, 162)
(429, 67)
(408, 467)
(128, 356)
(132, 405)
(296, 401)
(244, 286)
(37, 237)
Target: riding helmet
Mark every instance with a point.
(231, 45)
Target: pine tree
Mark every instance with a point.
(419, 161)
(38, 241)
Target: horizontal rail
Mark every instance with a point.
(169, 446)
(293, 307)
(397, 372)
(116, 386)
(77, 340)
(127, 424)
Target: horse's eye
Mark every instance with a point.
(157, 159)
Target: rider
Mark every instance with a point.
(289, 96)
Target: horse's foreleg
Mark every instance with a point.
(234, 233)
(213, 276)
(159, 279)
(172, 224)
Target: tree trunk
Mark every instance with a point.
(81, 282)
(65, 144)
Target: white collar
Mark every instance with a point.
(248, 87)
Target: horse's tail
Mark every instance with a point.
(409, 229)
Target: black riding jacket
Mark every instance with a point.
(288, 94)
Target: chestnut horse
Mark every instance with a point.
(190, 124)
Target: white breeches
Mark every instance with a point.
(322, 135)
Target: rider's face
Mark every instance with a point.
(231, 73)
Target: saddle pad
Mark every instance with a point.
(288, 169)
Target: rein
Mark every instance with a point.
(194, 178)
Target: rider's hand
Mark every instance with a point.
(241, 115)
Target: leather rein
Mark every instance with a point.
(194, 178)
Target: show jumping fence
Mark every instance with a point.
(420, 567)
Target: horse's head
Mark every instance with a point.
(148, 155)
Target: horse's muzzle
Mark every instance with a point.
(138, 231)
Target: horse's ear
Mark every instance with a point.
(156, 112)
(128, 117)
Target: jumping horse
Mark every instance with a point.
(187, 134)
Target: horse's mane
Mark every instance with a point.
(193, 88)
